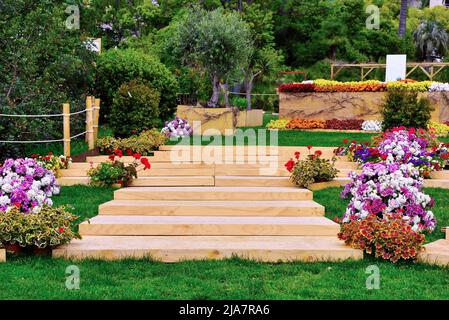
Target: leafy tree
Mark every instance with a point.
(218, 42)
(264, 59)
(42, 65)
(430, 39)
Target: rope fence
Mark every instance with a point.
(92, 111)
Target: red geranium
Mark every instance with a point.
(290, 165)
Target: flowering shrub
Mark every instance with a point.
(440, 129)
(348, 124)
(372, 125)
(305, 124)
(50, 227)
(313, 169)
(278, 124)
(26, 185)
(321, 85)
(144, 143)
(390, 239)
(114, 171)
(439, 87)
(53, 163)
(389, 188)
(356, 151)
(177, 128)
(413, 86)
(296, 87)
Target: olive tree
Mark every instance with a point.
(218, 42)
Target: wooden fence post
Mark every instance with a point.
(66, 126)
(96, 118)
(90, 122)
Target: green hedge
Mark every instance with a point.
(117, 66)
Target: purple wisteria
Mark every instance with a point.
(27, 185)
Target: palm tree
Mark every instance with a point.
(403, 18)
(430, 39)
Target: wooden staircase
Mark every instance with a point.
(436, 252)
(178, 211)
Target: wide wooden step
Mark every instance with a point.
(179, 248)
(157, 165)
(208, 226)
(214, 193)
(73, 181)
(436, 253)
(244, 181)
(211, 208)
(174, 181)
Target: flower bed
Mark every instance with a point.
(400, 145)
(313, 169)
(363, 86)
(310, 124)
(383, 189)
(27, 185)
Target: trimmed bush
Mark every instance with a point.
(144, 143)
(405, 109)
(116, 67)
(135, 108)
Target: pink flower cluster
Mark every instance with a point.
(26, 184)
(389, 188)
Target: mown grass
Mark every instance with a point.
(44, 278)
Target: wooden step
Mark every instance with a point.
(208, 226)
(2, 255)
(214, 193)
(244, 181)
(179, 248)
(173, 181)
(211, 208)
(73, 181)
(436, 183)
(436, 253)
(157, 165)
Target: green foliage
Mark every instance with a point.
(403, 108)
(313, 169)
(144, 143)
(50, 227)
(116, 66)
(430, 39)
(135, 107)
(43, 64)
(106, 174)
(391, 239)
(217, 41)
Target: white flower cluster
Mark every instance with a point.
(439, 87)
(372, 125)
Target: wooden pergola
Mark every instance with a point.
(430, 69)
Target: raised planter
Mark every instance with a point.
(206, 121)
(349, 105)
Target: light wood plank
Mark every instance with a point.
(211, 208)
(214, 193)
(208, 226)
(174, 249)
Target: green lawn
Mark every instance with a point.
(44, 278)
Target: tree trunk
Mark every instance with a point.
(249, 79)
(213, 102)
(225, 89)
(403, 18)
